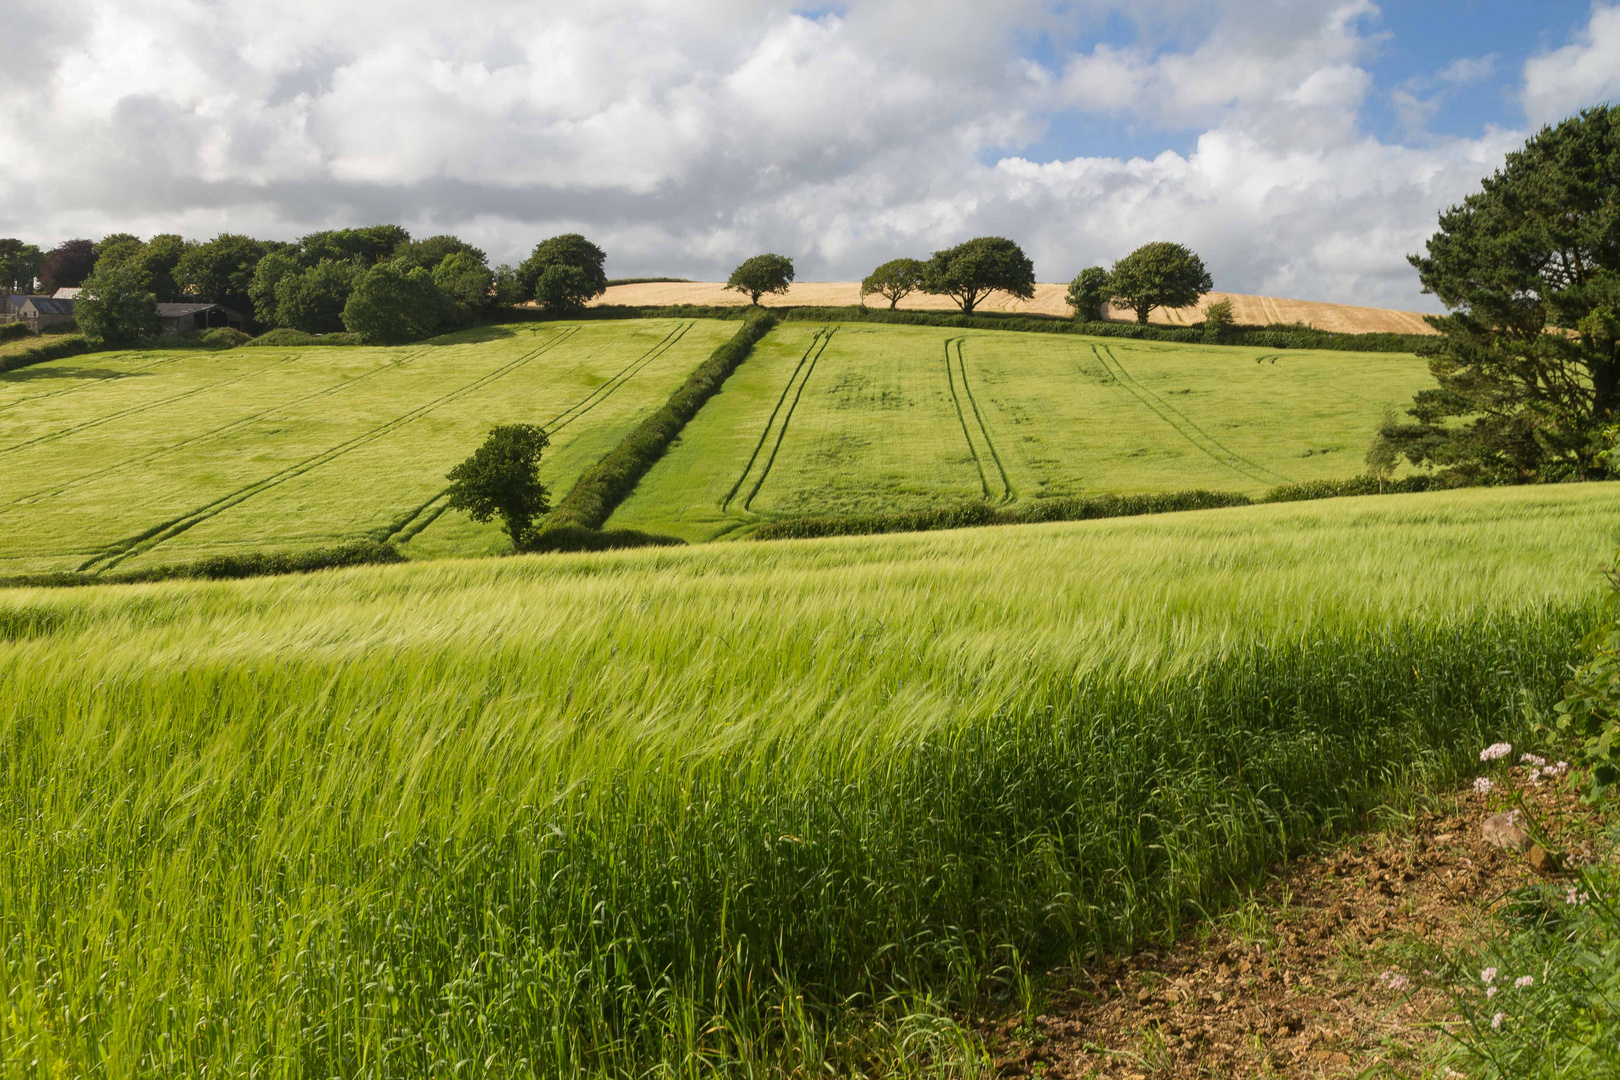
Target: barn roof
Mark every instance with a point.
(49, 305)
(178, 311)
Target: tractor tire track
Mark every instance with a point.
(135, 409)
(112, 554)
(787, 417)
(967, 437)
(607, 389)
(1007, 492)
(1183, 425)
(765, 433)
(89, 385)
(223, 429)
(411, 524)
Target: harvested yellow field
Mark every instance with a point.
(1254, 310)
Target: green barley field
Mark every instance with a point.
(141, 458)
(678, 811)
(864, 418)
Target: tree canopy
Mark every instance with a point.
(117, 306)
(67, 265)
(313, 300)
(576, 269)
(20, 264)
(971, 271)
(1088, 292)
(762, 274)
(1159, 274)
(221, 272)
(467, 281)
(390, 305)
(1528, 361)
(502, 479)
(894, 280)
(429, 253)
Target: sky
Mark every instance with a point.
(1303, 148)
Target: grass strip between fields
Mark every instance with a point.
(56, 349)
(608, 482)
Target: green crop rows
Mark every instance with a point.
(862, 419)
(133, 459)
(665, 809)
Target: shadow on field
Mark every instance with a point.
(474, 336)
(30, 374)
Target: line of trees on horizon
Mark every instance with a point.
(377, 281)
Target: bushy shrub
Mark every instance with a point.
(14, 331)
(574, 538)
(285, 337)
(1087, 294)
(225, 337)
(1590, 711)
(1218, 323)
(609, 481)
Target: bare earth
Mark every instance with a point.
(1252, 310)
(1296, 987)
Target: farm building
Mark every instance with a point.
(39, 312)
(196, 315)
(68, 292)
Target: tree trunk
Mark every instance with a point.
(1142, 313)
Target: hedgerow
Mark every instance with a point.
(565, 538)
(1354, 485)
(226, 567)
(967, 515)
(609, 481)
(14, 331)
(1273, 336)
(55, 349)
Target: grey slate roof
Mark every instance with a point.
(49, 305)
(180, 311)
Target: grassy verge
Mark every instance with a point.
(1275, 336)
(605, 484)
(680, 810)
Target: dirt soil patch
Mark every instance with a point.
(1314, 977)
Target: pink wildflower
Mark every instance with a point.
(1495, 751)
(1524, 980)
(1488, 976)
(1531, 759)
(1490, 991)
(1496, 1021)
(1483, 785)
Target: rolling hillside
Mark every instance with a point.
(865, 418)
(140, 458)
(1256, 310)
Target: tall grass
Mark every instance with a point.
(672, 810)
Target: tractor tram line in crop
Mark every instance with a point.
(816, 339)
(1008, 494)
(134, 410)
(409, 525)
(787, 417)
(1183, 425)
(91, 382)
(223, 429)
(140, 543)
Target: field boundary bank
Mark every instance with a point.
(113, 554)
(1284, 336)
(406, 527)
(1221, 454)
(39, 354)
(611, 480)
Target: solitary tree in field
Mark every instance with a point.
(1088, 292)
(564, 274)
(894, 280)
(1529, 358)
(117, 306)
(971, 271)
(1218, 322)
(1160, 274)
(762, 274)
(502, 479)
